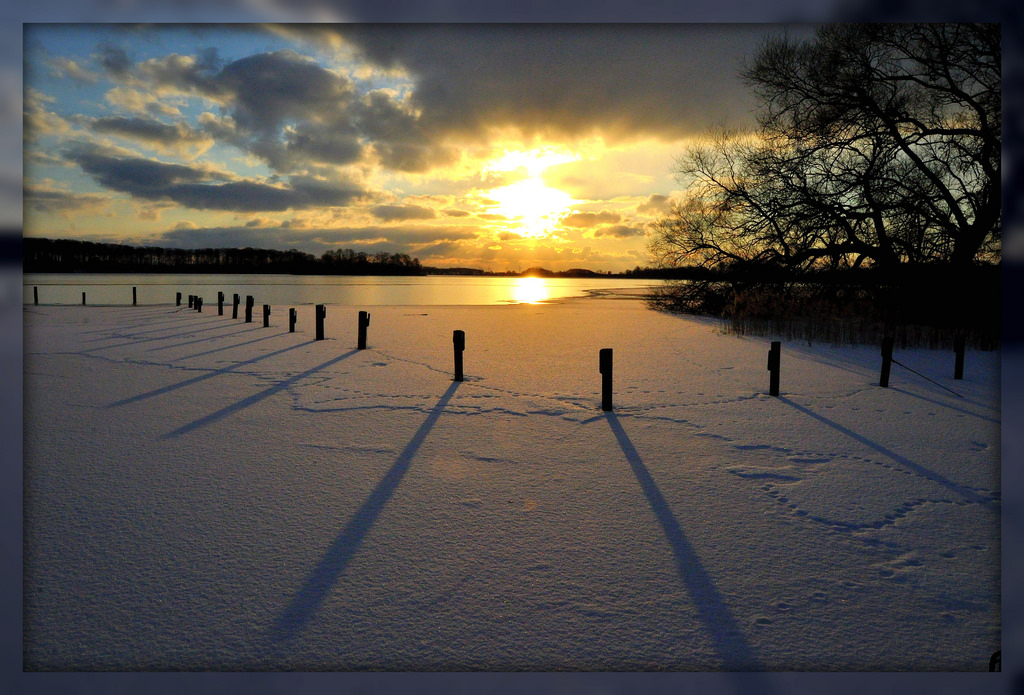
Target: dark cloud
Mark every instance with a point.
(268, 88)
(144, 178)
(204, 189)
(50, 201)
(655, 205)
(590, 219)
(147, 130)
(402, 212)
(622, 80)
(114, 60)
(619, 231)
(451, 212)
(414, 157)
(317, 240)
(319, 144)
(281, 106)
(444, 249)
(240, 196)
(316, 192)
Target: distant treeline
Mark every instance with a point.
(66, 255)
(71, 256)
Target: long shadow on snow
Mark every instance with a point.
(308, 599)
(256, 397)
(201, 377)
(144, 316)
(131, 341)
(718, 621)
(948, 406)
(227, 347)
(961, 490)
(204, 339)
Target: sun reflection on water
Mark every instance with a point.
(530, 290)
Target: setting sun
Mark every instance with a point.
(535, 206)
(530, 203)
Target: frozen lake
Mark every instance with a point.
(343, 290)
(205, 494)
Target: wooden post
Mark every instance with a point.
(605, 367)
(35, 295)
(887, 343)
(199, 304)
(364, 321)
(266, 315)
(220, 304)
(321, 314)
(234, 308)
(177, 299)
(459, 340)
(249, 302)
(292, 318)
(134, 298)
(83, 299)
(774, 367)
(959, 343)
(191, 301)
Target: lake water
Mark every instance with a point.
(292, 290)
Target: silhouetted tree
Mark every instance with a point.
(878, 145)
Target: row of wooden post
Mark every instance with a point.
(605, 362)
(605, 359)
(135, 296)
(195, 302)
(775, 359)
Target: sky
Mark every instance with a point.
(501, 147)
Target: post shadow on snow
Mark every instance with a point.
(202, 377)
(226, 347)
(137, 314)
(961, 490)
(176, 320)
(238, 329)
(130, 342)
(313, 592)
(949, 406)
(256, 397)
(718, 621)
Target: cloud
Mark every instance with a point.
(655, 205)
(281, 106)
(590, 219)
(114, 60)
(51, 200)
(574, 80)
(203, 188)
(66, 67)
(619, 231)
(177, 137)
(139, 102)
(621, 80)
(38, 120)
(408, 240)
(402, 212)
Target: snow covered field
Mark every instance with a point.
(201, 493)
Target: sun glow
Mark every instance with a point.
(530, 290)
(533, 206)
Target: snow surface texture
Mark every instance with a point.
(206, 494)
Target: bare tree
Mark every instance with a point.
(878, 145)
